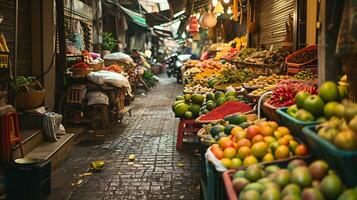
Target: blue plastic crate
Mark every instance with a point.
(293, 124)
(215, 189)
(342, 161)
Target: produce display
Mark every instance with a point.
(192, 106)
(298, 180)
(266, 57)
(324, 105)
(263, 81)
(305, 75)
(196, 89)
(244, 53)
(284, 93)
(240, 144)
(227, 108)
(304, 57)
(341, 129)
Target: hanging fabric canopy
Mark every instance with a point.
(137, 18)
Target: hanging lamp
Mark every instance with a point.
(218, 9)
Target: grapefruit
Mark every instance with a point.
(236, 163)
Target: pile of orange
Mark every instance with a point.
(263, 142)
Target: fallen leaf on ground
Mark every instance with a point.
(132, 157)
(86, 174)
(181, 165)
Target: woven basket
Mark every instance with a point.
(263, 69)
(28, 99)
(301, 51)
(270, 112)
(81, 72)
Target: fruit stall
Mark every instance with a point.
(269, 128)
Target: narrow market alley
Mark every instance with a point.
(158, 172)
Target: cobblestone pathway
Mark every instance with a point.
(150, 134)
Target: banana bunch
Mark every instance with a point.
(343, 81)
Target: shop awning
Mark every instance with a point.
(137, 18)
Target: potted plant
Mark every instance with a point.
(29, 93)
(108, 44)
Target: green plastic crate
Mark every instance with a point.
(344, 162)
(293, 124)
(215, 187)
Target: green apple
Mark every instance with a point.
(300, 98)
(304, 116)
(315, 105)
(292, 110)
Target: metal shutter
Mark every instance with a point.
(272, 17)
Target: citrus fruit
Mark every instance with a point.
(243, 152)
(229, 152)
(292, 145)
(250, 160)
(283, 141)
(328, 91)
(282, 152)
(226, 162)
(259, 149)
(239, 183)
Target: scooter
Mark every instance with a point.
(178, 65)
(171, 62)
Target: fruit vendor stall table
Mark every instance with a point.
(75, 106)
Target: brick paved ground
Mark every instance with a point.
(150, 134)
